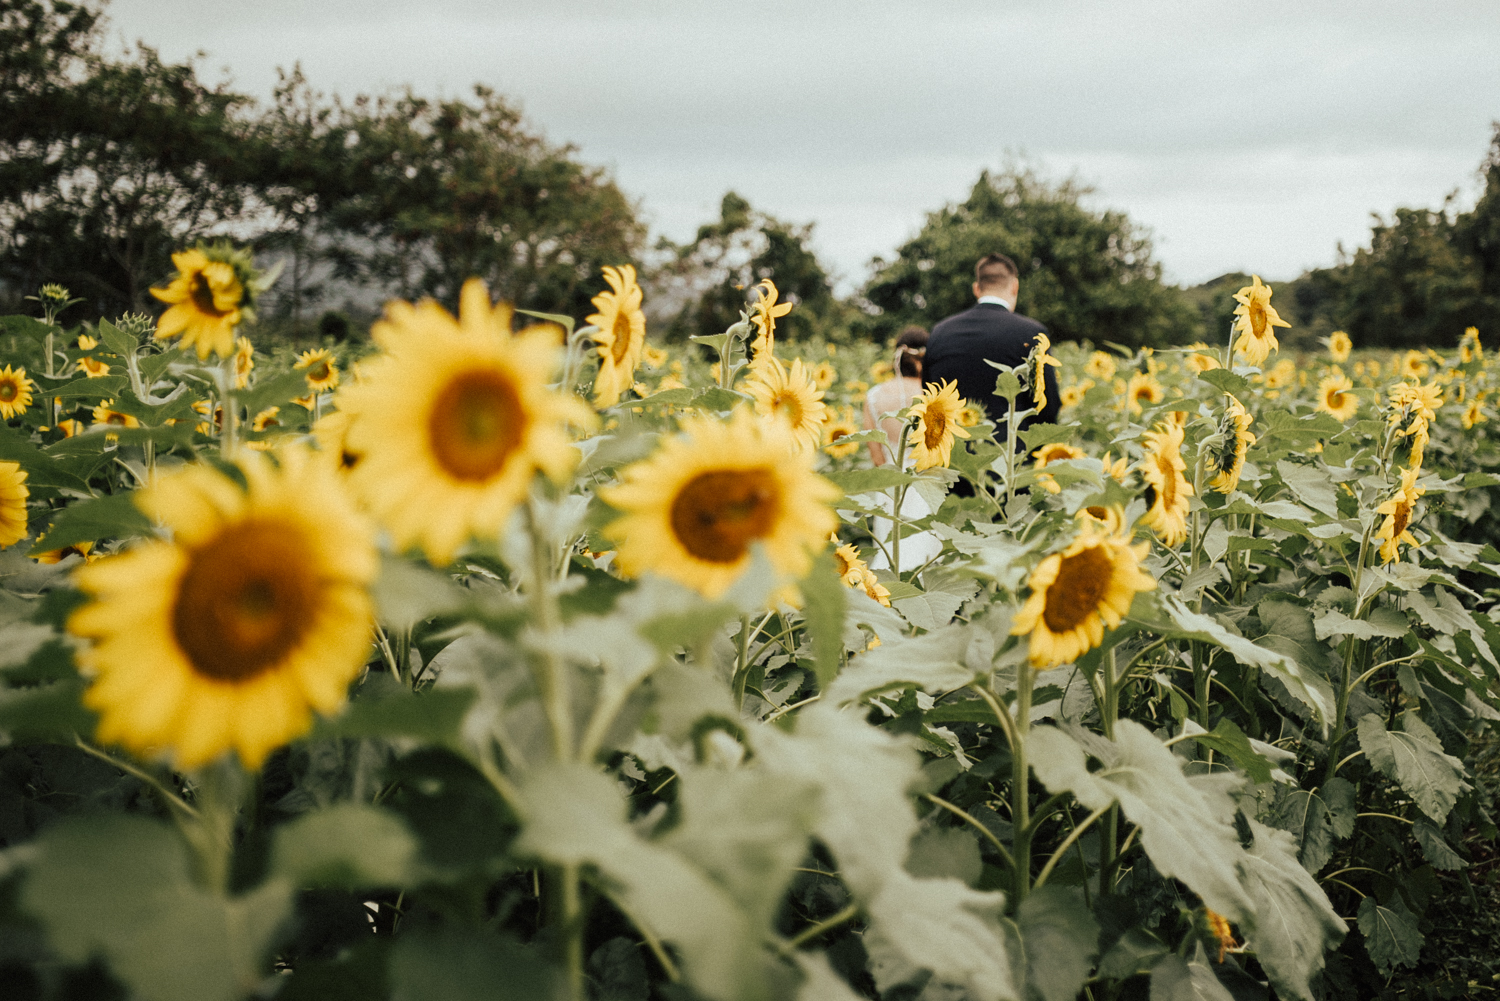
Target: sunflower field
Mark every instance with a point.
(514, 656)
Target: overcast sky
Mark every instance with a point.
(1248, 137)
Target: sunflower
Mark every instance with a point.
(93, 368)
(1420, 401)
(1040, 359)
(1168, 493)
(763, 316)
(653, 357)
(332, 434)
(1256, 322)
(453, 419)
(13, 494)
(1142, 389)
(841, 426)
(244, 362)
(937, 412)
(86, 343)
(205, 301)
(83, 549)
(1201, 361)
(15, 392)
(1116, 469)
(104, 415)
(693, 510)
(1076, 593)
(1469, 348)
(1473, 414)
(70, 427)
(1110, 518)
(1335, 398)
(1398, 516)
(1229, 460)
(789, 397)
(1417, 432)
(266, 419)
(970, 416)
(823, 374)
(227, 637)
(1101, 366)
(1073, 395)
(321, 368)
(1339, 346)
(1056, 452)
(1218, 927)
(854, 572)
(1414, 365)
(621, 337)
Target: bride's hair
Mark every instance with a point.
(911, 348)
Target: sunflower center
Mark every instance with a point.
(115, 418)
(1169, 481)
(475, 424)
(319, 372)
(620, 346)
(1258, 319)
(1082, 581)
(9, 391)
(202, 294)
(246, 601)
(937, 425)
(1335, 399)
(788, 407)
(716, 516)
(1400, 518)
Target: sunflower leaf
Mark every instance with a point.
(826, 600)
(1414, 757)
(350, 845)
(273, 392)
(1294, 922)
(1391, 935)
(112, 517)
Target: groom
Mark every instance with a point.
(993, 330)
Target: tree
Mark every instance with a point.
(1478, 235)
(1085, 274)
(702, 286)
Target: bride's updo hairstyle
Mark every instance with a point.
(911, 348)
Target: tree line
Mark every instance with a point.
(108, 164)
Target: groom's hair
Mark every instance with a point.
(995, 271)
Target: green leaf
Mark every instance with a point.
(1037, 435)
(715, 341)
(462, 964)
(117, 340)
(935, 662)
(1226, 381)
(1383, 621)
(1175, 979)
(120, 887)
(1413, 756)
(561, 319)
(273, 392)
(1317, 819)
(1391, 935)
(112, 517)
(945, 853)
(1135, 952)
(45, 713)
(1294, 922)
(859, 481)
(42, 469)
(680, 397)
(349, 845)
(1007, 385)
(1310, 485)
(944, 590)
(1229, 740)
(384, 708)
(1184, 820)
(719, 399)
(826, 599)
(1061, 939)
(1435, 848)
(103, 388)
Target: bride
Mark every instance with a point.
(882, 403)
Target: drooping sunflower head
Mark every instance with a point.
(244, 361)
(763, 316)
(13, 494)
(1142, 391)
(1335, 397)
(1077, 592)
(1168, 493)
(15, 391)
(841, 426)
(320, 368)
(1409, 400)
(1399, 512)
(1256, 321)
(205, 301)
(936, 411)
(1229, 459)
(621, 340)
(229, 636)
(1039, 361)
(694, 510)
(1101, 366)
(1469, 348)
(1339, 346)
(1473, 414)
(453, 420)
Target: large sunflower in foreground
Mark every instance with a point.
(13, 494)
(621, 340)
(1335, 398)
(230, 635)
(789, 397)
(693, 510)
(1077, 592)
(937, 411)
(15, 392)
(1229, 458)
(453, 419)
(205, 301)
(1256, 321)
(1167, 491)
(1396, 528)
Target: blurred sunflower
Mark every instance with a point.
(621, 339)
(1040, 359)
(653, 357)
(244, 362)
(1076, 593)
(54, 556)
(93, 368)
(1168, 492)
(693, 510)
(70, 427)
(1414, 365)
(841, 426)
(1101, 366)
(1229, 459)
(1339, 346)
(1335, 398)
(937, 411)
(1280, 375)
(86, 343)
(1143, 390)
(204, 301)
(332, 433)
(854, 572)
(823, 374)
(475, 424)
(320, 367)
(104, 415)
(13, 494)
(1473, 414)
(1398, 516)
(1116, 469)
(1201, 361)
(1256, 322)
(1109, 518)
(1056, 452)
(15, 392)
(1469, 348)
(763, 316)
(970, 416)
(228, 636)
(882, 371)
(265, 419)
(1073, 395)
(789, 397)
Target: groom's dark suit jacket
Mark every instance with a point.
(960, 344)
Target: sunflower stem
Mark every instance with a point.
(1020, 810)
(552, 679)
(1110, 712)
(742, 663)
(229, 436)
